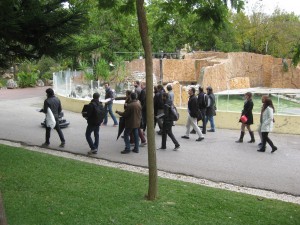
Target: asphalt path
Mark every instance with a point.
(217, 158)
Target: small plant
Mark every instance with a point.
(27, 79)
(285, 65)
(87, 71)
(102, 70)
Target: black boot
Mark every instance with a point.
(252, 137)
(261, 149)
(241, 137)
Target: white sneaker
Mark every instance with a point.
(143, 144)
(94, 151)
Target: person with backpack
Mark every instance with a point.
(193, 115)
(53, 103)
(167, 123)
(108, 105)
(142, 99)
(202, 103)
(159, 106)
(94, 116)
(210, 109)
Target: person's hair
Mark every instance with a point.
(193, 89)
(209, 90)
(128, 92)
(200, 89)
(165, 95)
(50, 92)
(155, 90)
(268, 102)
(133, 96)
(249, 94)
(137, 82)
(96, 95)
(169, 87)
(159, 87)
(106, 83)
(265, 97)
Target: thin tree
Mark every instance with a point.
(143, 28)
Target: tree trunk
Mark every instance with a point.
(143, 29)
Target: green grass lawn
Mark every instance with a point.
(43, 189)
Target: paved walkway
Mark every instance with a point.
(217, 158)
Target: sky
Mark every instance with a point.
(268, 6)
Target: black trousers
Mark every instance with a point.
(265, 140)
(57, 128)
(167, 130)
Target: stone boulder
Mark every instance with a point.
(40, 83)
(11, 84)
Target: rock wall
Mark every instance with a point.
(224, 71)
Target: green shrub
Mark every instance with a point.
(27, 79)
(47, 76)
(102, 70)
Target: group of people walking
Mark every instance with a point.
(266, 122)
(201, 107)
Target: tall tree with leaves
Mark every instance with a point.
(32, 28)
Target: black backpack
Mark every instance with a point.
(84, 111)
(100, 112)
(174, 113)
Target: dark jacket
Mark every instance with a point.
(142, 99)
(54, 104)
(202, 101)
(109, 94)
(158, 102)
(132, 114)
(167, 118)
(91, 113)
(247, 111)
(193, 106)
(211, 109)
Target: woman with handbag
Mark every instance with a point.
(267, 120)
(247, 118)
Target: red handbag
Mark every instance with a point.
(244, 119)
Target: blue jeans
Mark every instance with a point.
(88, 133)
(135, 132)
(211, 121)
(109, 110)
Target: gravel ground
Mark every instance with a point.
(259, 193)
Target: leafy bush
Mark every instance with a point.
(44, 66)
(27, 79)
(47, 75)
(2, 82)
(102, 69)
(87, 71)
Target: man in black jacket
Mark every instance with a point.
(167, 123)
(193, 111)
(142, 99)
(54, 104)
(109, 104)
(159, 106)
(94, 121)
